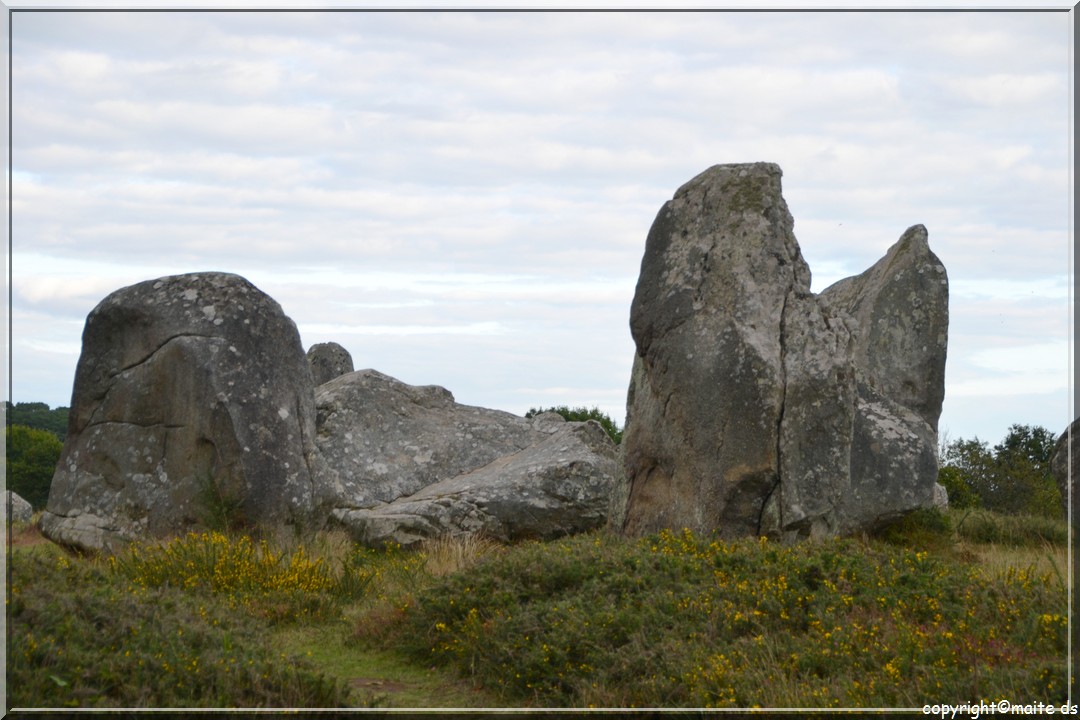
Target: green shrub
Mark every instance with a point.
(220, 509)
(273, 583)
(678, 620)
(1014, 477)
(1045, 498)
(79, 638)
(961, 495)
(922, 529)
(31, 461)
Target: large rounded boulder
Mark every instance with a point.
(193, 402)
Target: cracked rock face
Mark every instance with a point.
(414, 464)
(388, 439)
(188, 387)
(757, 407)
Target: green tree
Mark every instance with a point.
(38, 415)
(967, 469)
(1024, 480)
(580, 414)
(1033, 445)
(961, 494)
(1014, 477)
(32, 455)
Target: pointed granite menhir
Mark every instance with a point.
(757, 407)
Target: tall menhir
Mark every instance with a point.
(758, 407)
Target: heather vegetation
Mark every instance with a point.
(674, 619)
(969, 603)
(83, 632)
(930, 610)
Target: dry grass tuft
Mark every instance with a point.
(998, 560)
(452, 553)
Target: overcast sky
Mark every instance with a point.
(462, 199)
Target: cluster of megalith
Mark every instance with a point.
(758, 407)
(755, 406)
(193, 398)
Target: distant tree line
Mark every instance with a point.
(1013, 477)
(34, 436)
(38, 415)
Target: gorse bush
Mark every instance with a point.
(678, 620)
(278, 584)
(669, 620)
(78, 638)
(221, 563)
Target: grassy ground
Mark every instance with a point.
(378, 677)
(944, 608)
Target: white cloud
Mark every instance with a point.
(1047, 357)
(1013, 384)
(1006, 289)
(54, 348)
(474, 189)
(1008, 89)
(479, 328)
(82, 68)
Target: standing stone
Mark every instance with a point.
(820, 407)
(901, 311)
(900, 306)
(703, 416)
(757, 407)
(191, 391)
(941, 497)
(328, 361)
(1065, 464)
